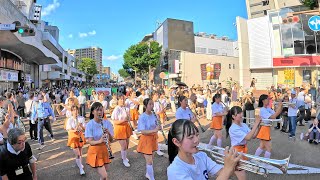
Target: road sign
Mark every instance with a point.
(7, 27)
(314, 23)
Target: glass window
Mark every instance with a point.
(234, 66)
(309, 35)
(229, 66)
(212, 51)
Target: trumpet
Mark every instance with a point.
(265, 122)
(158, 122)
(246, 165)
(107, 140)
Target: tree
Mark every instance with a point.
(310, 3)
(88, 66)
(123, 73)
(140, 57)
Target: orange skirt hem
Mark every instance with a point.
(148, 144)
(264, 133)
(74, 139)
(216, 123)
(134, 114)
(122, 131)
(98, 155)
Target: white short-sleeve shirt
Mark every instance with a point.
(66, 112)
(94, 129)
(184, 113)
(203, 167)
(119, 113)
(131, 104)
(72, 123)
(147, 122)
(157, 107)
(217, 108)
(238, 133)
(265, 113)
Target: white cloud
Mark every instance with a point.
(112, 57)
(91, 33)
(70, 36)
(50, 8)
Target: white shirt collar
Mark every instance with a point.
(11, 150)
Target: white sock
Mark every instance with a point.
(80, 159)
(212, 139)
(123, 155)
(258, 151)
(150, 171)
(219, 142)
(267, 154)
(79, 163)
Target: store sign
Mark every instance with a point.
(297, 61)
(210, 71)
(8, 75)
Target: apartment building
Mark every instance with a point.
(94, 53)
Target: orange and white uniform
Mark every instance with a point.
(217, 121)
(97, 155)
(134, 114)
(68, 115)
(74, 136)
(121, 131)
(148, 142)
(237, 135)
(158, 109)
(265, 131)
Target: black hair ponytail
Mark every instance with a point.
(216, 96)
(145, 104)
(233, 111)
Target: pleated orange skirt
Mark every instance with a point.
(162, 115)
(74, 139)
(98, 155)
(134, 114)
(243, 149)
(148, 144)
(264, 133)
(122, 131)
(216, 123)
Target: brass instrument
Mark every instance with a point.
(158, 122)
(265, 122)
(284, 104)
(255, 166)
(107, 140)
(79, 131)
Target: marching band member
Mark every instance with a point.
(164, 104)
(264, 132)
(113, 103)
(97, 136)
(122, 130)
(158, 108)
(148, 140)
(218, 111)
(240, 133)
(66, 110)
(133, 103)
(101, 99)
(209, 105)
(186, 162)
(141, 98)
(184, 112)
(75, 127)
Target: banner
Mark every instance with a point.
(210, 71)
(8, 75)
(106, 91)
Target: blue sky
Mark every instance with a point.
(114, 25)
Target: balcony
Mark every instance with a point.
(51, 75)
(50, 43)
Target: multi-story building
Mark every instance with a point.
(23, 59)
(53, 30)
(259, 8)
(94, 53)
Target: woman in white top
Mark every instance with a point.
(184, 112)
(200, 100)
(218, 111)
(132, 103)
(101, 99)
(96, 133)
(122, 130)
(240, 133)
(187, 163)
(209, 105)
(66, 109)
(75, 127)
(148, 143)
(82, 102)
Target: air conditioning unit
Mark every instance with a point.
(35, 15)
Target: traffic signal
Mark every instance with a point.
(290, 19)
(25, 31)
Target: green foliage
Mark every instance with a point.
(138, 57)
(310, 3)
(88, 66)
(123, 73)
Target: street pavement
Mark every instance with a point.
(56, 160)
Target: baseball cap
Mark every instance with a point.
(293, 92)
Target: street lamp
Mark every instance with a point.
(135, 74)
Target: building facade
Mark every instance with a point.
(260, 8)
(94, 53)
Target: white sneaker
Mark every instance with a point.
(127, 159)
(125, 163)
(41, 147)
(160, 153)
(82, 172)
(147, 176)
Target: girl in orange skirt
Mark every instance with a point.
(75, 127)
(122, 130)
(264, 132)
(132, 103)
(158, 108)
(218, 112)
(97, 131)
(240, 133)
(148, 140)
(66, 109)
(101, 99)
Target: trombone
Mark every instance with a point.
(246, 165)
(265, 122)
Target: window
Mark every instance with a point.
(265, 3)
(234, 66)
(265, 12)
(201, 50)
(229, 66)
(256, 4)
(212, 51)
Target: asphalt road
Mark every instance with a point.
(56, 160)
